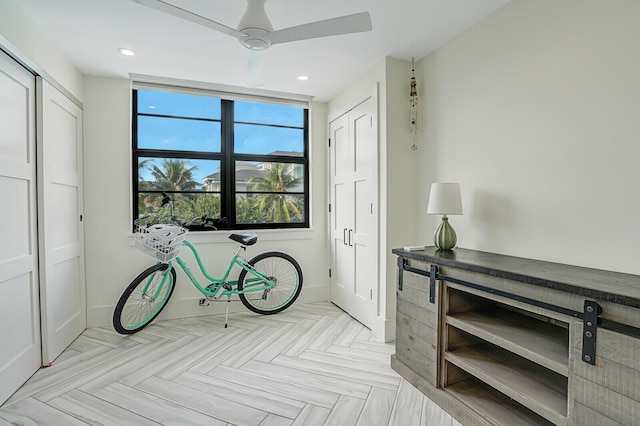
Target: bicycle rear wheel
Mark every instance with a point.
(144, 299)
(279, 268)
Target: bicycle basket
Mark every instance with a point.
(162, 241)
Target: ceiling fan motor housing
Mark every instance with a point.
(256, 38)
(256, 26)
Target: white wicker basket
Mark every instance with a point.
(161, 241)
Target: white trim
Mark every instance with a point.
(364, 96)
(217, 237)
(141, 81)
(14, 53)
(384, 328)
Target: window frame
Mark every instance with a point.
(227, 157)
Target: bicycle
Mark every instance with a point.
(269, 283)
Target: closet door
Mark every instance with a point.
(354, 215)
(61, 236)
(19, 307)
(342, 207)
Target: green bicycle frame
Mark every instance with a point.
(259, 281)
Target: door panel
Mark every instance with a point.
(19, 308)
(342, 202)
(365, 142)
(341, 205)
(62, 286)
(342, 158)
(65, 232)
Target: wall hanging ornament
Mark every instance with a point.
(413, 106)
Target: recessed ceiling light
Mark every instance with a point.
(303, 77)
(126, 52)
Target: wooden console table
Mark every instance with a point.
(501, 340)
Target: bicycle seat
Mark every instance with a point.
(247, 239)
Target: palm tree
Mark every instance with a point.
(143, 185)
(275, 205)
(175, 175)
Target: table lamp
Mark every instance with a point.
(445, 199)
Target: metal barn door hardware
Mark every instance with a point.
(590, 316)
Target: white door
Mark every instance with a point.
(342, 253)
(61, 248)
(354, 214)
(19, 308)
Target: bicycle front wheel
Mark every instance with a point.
(278, 267)
(144, 299)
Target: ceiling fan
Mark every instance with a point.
(255, 31)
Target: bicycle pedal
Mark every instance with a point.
(203, 302)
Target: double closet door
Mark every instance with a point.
(42, 288)
(353, 165)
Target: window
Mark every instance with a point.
(243, 160)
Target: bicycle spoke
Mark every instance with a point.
(144, 299)
(280, 269)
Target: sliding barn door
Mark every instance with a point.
(62, 286)
(19, 307)
(354, 211)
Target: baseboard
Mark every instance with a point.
(384, 329)
(101, 316)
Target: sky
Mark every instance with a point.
(251, 136)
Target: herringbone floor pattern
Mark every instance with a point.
(310, 365)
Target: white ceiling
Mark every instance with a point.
(90, 32)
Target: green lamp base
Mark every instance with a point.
(445, 237)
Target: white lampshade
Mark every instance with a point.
(445, 198)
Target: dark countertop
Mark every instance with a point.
(616, 287)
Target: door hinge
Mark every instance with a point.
(329, 207)
(371, 294)
(329, 272)
(329, 142)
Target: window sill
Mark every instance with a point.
(216, 237)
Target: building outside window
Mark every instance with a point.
(244, 160)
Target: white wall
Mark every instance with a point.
(111, 260)
(535, 111)
(21, 36)
(397, 165)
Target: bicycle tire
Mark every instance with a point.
(135, 310)
(288, 276)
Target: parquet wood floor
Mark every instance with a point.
(310, 365)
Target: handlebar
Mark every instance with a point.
(165, 199)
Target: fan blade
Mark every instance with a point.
(255, 69)
(165, 7)
(356, 23)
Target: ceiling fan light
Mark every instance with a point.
(256, 39)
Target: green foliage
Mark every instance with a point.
(248, 211)
(278, 206)
(189, 206)
(273, 205)
(175, 175)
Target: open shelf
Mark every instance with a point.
(492, 405)
(542, 342)
(535, 387)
